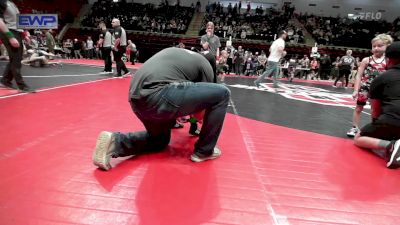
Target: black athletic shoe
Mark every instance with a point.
(27, 89)
(394, 159)
(6, 84)
(194, 130)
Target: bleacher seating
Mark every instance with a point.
(141, 17)
(347, 32)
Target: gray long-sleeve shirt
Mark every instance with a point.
(9, 12)
(168, 66)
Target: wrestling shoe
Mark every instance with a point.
(196, 158)
(352, 132)
(104, 150)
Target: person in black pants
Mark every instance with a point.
(105, 43)
(119, 48)
(12, 39)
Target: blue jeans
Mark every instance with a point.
(159, 111)
(272, 69)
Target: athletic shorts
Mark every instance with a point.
(363, 95)
(381, 130)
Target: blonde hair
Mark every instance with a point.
(387, 39)
(223, 52)
(210, 24)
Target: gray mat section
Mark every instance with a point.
(52, 76)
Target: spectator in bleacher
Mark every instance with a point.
(144, 17)
(251, 26)
(277, 51)
(12, 37)
(248, 7)
(119, 47)
(344, 31)
(105, 45)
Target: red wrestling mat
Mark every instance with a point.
(267, 174)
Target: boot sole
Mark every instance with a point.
(100, 152)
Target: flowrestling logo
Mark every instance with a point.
(306, 94)
(366, 16)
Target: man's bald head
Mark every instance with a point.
(115, 22)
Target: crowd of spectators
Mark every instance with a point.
(342, 31)
(163, 18)
(257, 24)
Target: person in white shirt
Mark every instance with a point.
(277, 51)
(89, 48)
